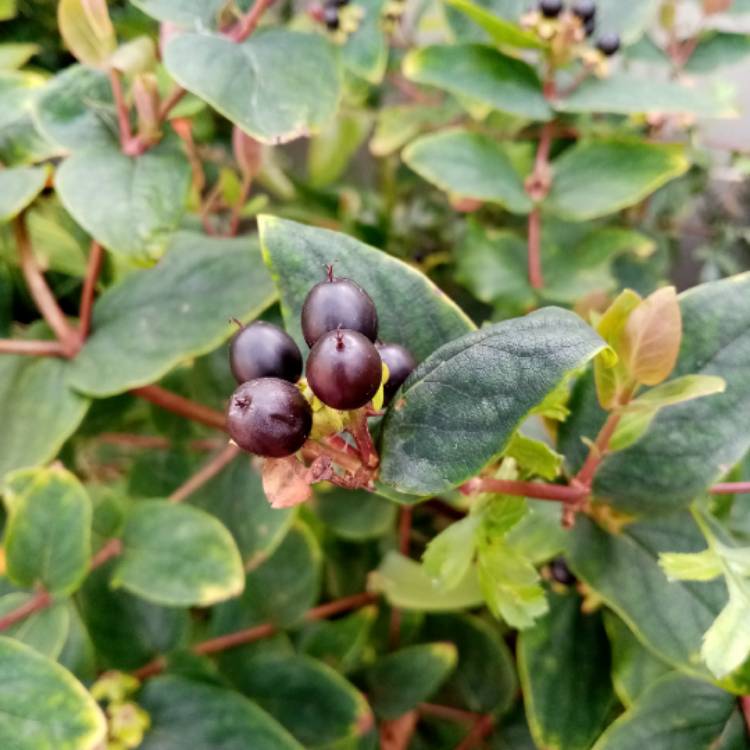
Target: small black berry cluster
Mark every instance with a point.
(272, 412)
(331, 13)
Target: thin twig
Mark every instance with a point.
(598, 450)
(535, 249)
(96, 256)
(539, 490)
(153, 442)
(234, 221)
(745, 707)
(39, 601)
(171, 102)
(730, 488)
(537, 186)
(249, 21)
(448, 712)
(478, 732)
(182, 406)
(123, 115)
(33, 348)
(206, 473)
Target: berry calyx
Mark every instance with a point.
(584, 9)
(400, 363)
(269, 417)
(262, 350)
(608, 44)
(344, 369)
(338, 303)
(550, 8)
(560, 572)
(331, 17)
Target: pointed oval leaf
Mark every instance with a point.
(130, 204)
(478, 389)
(45, 630)
(354, 514)
(48, 534)
(297, 254)
(481, 73)
(179, 309)
(86, 29)
(252, 83)
(504, 33)
(42, 706)
(178, 555)
(365, 52)
(188, 13)
(468, 165)
(18, 188)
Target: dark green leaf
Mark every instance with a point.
(191, 714)
(48, 533)
(45, 630)
(400, 680)
(485, 384)
(18, 187)
(365, 52)
(717, 49)
(468, 165)
(184, 12)
(297, 254)
(252, 83)
(355, 514)
(42, 706)
(396, 125)
(481, 73)
(179, 309)
(177, 555)
(131, 205)
(563, 664)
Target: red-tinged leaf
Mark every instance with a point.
(285, 482)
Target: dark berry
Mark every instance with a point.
(269, 417)
(400, 363)
(337, 3)
(589, 26)
(608, 44)
(262, 350)
(331, 17)
(550, 8)
(584, 9)
(344, 369)
(560, 572)
(338, 303)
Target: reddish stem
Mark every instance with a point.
(448, 712)
(478, 732)
(40, 292)
(32, 348)
(39, 601)
(153, 442)
(537, 186)
(96, 256)
(234, 221)
(404, 529)
(539, 490)
(171, 102)
(182, 406)
(249, 21)
(598, 450)
(745, 707)
(206, 473)
(123, 114)
(535, 249)
(345, 460)
(361, 432)
(109, 550)
(730, 488)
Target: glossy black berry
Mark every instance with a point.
(269, 417)
(337, 3)
(262, 350)
(608, 44)
(550, 8)
(338, 303)
(584, 9)
(400, 363)
(560, 572)
(589, 26)
(331, 17)
(344, 369)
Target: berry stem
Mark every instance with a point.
(361, 434)
(96, 257)
(206, 473)
(249, 21)
(344, 460)
(41, 293)
(32, 348)
(123, 114)
(182, 406)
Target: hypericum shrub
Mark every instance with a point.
(497, 486)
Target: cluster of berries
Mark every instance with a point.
(269, 414)
(585, 12)
(331, 13)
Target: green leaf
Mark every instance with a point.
(45, 630)
(14, 55)
(396, 125)
(48, 534)
(18, 187)
(332, 150)
(481, 73)
(129, 204)
(534, 456)
(280, 590)
(502, 32)
(627, 94)
(188, 13)
(354, 514)
(691, 566)
(468, 165)
(634, 668)
(566, 687)
(86, 30)
(177, 555)
(669, 466)
(296, 255)
(76, 110)
(181, 308)
(252, 83)
(675, 711)
(402, 679)
(237, 499)
(638, 415)
(484, 679)
(449, 555)
(38, 386)
(365, 51)
(486, 383)
(42, 706)
(406, 585)
(726, 644)
(716, 50)
(318, 706)
(596, 178)
(193, 714)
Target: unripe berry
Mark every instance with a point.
(269, 417)
(400, 363)
(344, 369)
(262, 350)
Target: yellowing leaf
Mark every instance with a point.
(86, 29)
(651, 337)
